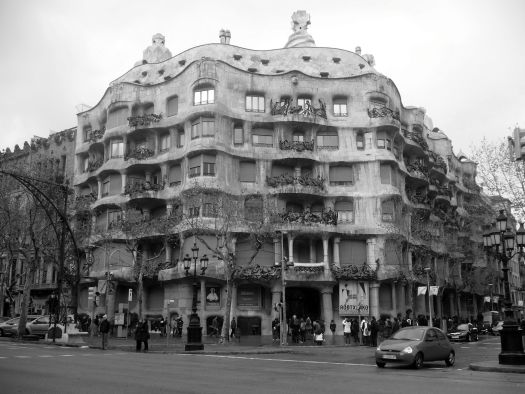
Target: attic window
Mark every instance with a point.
(336, 60)
(252, 69)
(324, 74)
(182, 62)
(167, 78)
(144, 73)
(265, 62)
(136, 81)
(237, 57)
(279, 71)
(161, 72)
(306, 58)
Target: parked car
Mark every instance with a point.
(464, 332)
(6, 326)
(12, 330)
(415, 345)
(496, 329)
(3, 319)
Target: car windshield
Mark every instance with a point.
(463, 327)
(411, 334)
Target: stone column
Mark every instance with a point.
(401, 299)
(169, 253)
(277, 251)
(99, 185)
(374, 299)
(234, 303)
(124, 177)
(148, 176)
(337, 241)
(312, 252)
(409, 260)
(325, 253)
(371, 252)
(328, 314)
(290, 248)
(276, 298)
(164, 175)
(394, 298)
(169, 209)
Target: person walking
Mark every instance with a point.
(355, 331)
(141, 336)
(233, 327)
(347, 330)
(373, 332)
(104, 331)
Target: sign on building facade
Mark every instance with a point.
(354, 298)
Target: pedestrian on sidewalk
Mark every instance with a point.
(233, 327)
(347, 330)
(141, 335)
(104, 331)
(276, 330)
(373, 332)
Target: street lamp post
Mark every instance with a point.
(427, 270)
(194, 327)
(502, 244)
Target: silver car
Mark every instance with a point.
(5, 327)
(414, 345)
(12, 329)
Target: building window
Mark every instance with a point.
(117, 149)
(208, 169)
(105, 187)
(164, 142)
(114, 217)
(194, 212)
(387, 211)
(254, 103)
(180, 138)
(345, 211)
(247, 171)
(253, 209)
(238, 136)
(118, 117)
(207, 162)
(327, 140)
(175, 175)
(360, 140)
(262, 137)
(204, 96)
(298, 136)
(383, 142)
(86, 133)
(385, 171)
(340, 107)
(203, 127)
(378, 102)
(304, 101)
(341, 176)
(209, 210)
(172, 106)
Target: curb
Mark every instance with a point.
(495, 367)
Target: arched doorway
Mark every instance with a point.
(303, 302)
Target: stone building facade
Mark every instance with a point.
(366, 191)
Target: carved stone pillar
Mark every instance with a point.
(401, 299)
(328, 314)
(325, 253)
(371, 253)
(394, 298)
(276, 298)
(337, 241)
(148, 176)
(234, 302)
(312, 252)
(169, 253)
(374, 299)
(277, 251)
(99, 185)
(290, 248)
(169, 209)
(124, 177)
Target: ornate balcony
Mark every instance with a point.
(417, 138)
(144, 120)
(298, 146)
(303, 180)
(95, 135)
(307, 110)
(141, 187)
(309, 218)
(94, 165)
(382, 112)
(140, 153)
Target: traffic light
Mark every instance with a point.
(519, 144)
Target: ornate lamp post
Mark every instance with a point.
(501, 244)
(194, 328)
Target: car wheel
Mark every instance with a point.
(380, 364)
(451, 359)
(418, 361)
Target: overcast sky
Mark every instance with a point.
(462, 60)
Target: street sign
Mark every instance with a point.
(130, 295)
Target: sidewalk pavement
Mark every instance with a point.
(494, 366)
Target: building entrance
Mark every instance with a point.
(303, 302)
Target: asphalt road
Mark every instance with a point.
(40, 368)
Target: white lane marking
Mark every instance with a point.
(281, 360)
(2, 357)
(65, 355)
(21, 356)
(45, 356)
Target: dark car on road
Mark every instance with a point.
(415, 345)
(464, 332)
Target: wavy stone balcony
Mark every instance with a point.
(304, 184)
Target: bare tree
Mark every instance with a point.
(226, 217)
(500, 175)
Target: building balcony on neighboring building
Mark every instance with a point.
(143, 187)
(141, 121)
(302, 109)
(302, 181)
(309, 218)
(298, 146)
(140, 152)
(415, 137)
